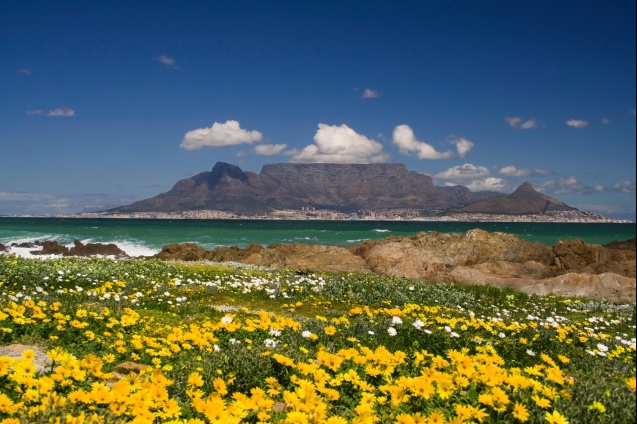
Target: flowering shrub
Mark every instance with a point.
(211, 343)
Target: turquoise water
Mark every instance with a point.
(147, 236)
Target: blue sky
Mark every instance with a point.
(107, 102)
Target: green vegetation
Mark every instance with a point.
(225, 343)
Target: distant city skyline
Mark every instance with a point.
(104, 103)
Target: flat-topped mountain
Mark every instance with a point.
(523, 201)
(340, 187)
(337, 187)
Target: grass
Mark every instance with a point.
(227, 343)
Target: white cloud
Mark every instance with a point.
(339, 144)
(406, 141)
(25, 71)
(269, 149)
(467, 171)
(577, 123)
(57, 112)
(463, 146)
(606, 121)
(512, 171)
(474, 177)
(169, 62)
(516, 122)
(369, 93)
(568, 185)
(622, 186)
(219, 135)
(490, 183)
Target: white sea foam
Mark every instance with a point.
(380, 230)
(132, 248)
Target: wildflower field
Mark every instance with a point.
(213, 343)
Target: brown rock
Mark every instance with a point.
(571, 268)
(183, 251)
(630, 244)
(51, 248)
(312, 258)
(575, 255)
(95, 249)
(41, 361)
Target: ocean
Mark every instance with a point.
(145, 237)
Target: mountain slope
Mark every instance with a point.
(340, 187)
(525, 200)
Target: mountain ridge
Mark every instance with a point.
(338, 187)
(525, 200)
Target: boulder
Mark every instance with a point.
(41, 360)
(616, 257)
(4, 248)
(27, 244)
(51, 248)
(310, 258)
(250, 255)
(182, 251)
(95, 249)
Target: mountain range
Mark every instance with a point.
(337, 187)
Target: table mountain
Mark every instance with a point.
(338, 187)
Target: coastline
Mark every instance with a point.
(329, 215)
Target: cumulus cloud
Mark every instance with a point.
(467, 171)
(622, 186)
(568, 185)
(25, 71)
(463, 146)
(517, 122)
(228, 133)
(474, 177)
(512, 171)
(269, 149)
(339, 144)
(57, 112)
(489, 183)
(168, 62)
(407, 143)
(577, 123)
(369, 93)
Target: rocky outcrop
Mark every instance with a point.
(301, 257)
(571, 268)
(94, 249)
(80, 249)
(51, 248)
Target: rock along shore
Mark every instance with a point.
(568, 268)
